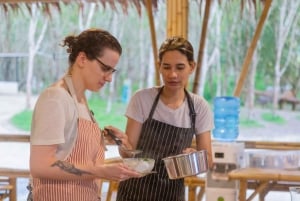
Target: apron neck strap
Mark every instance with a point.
(192, 110)
(155, 103)
(70, 86)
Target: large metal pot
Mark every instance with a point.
(184, 165)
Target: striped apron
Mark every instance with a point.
(88, 148)
(159, 140)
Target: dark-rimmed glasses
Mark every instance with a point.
(105, 68)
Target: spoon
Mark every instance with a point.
(120, 144)
(147, 173)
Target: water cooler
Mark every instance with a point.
(227, 154)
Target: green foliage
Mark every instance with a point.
(115, 117)
(22, 120)
(273, 118)
(249, 123)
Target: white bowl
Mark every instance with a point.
(141, 165)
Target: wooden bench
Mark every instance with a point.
(288, 97)
(264, 97)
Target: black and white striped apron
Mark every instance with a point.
(159, 140)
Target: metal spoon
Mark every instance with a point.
(120, 144)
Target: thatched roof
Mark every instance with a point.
(45, 5)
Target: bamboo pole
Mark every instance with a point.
(169, 18)
(173, 19)
(185, 13)
(201, 46)
(177, 18)
(251, 49)
(153, 39)
(177, 31)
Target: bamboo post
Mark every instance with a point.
(201, 46)
(178, 18)
(169, 17)
(173, 19)
(185, 9)
(153, 39)
(177, 11)
(251, 49)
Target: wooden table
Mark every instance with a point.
(263, 181)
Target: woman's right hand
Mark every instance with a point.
(117, 172)
(120, 136)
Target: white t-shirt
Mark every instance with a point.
(141, 102)
(54, 120)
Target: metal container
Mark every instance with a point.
(184, 165)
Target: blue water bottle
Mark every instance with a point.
(226, 118)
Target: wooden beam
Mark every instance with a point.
(201, 46)
(153, 40)
(271, 145)
(14, 138)
(251, 49)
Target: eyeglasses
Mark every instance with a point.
(105, 68)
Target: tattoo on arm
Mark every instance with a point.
(68, 167)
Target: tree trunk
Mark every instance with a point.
(288, 11)
(33, 48)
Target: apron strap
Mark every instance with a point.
(192, 110)
(68, 80)
(155, 103)
(70, 86)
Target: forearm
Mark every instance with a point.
(58, 169)
(45, 164)
(203, 142)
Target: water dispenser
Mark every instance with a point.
(226, 118)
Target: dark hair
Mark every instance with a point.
(92, 42)
(177, 43)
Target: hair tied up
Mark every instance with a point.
(69, 50)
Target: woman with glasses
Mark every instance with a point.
(161, 121)
(67, 146)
